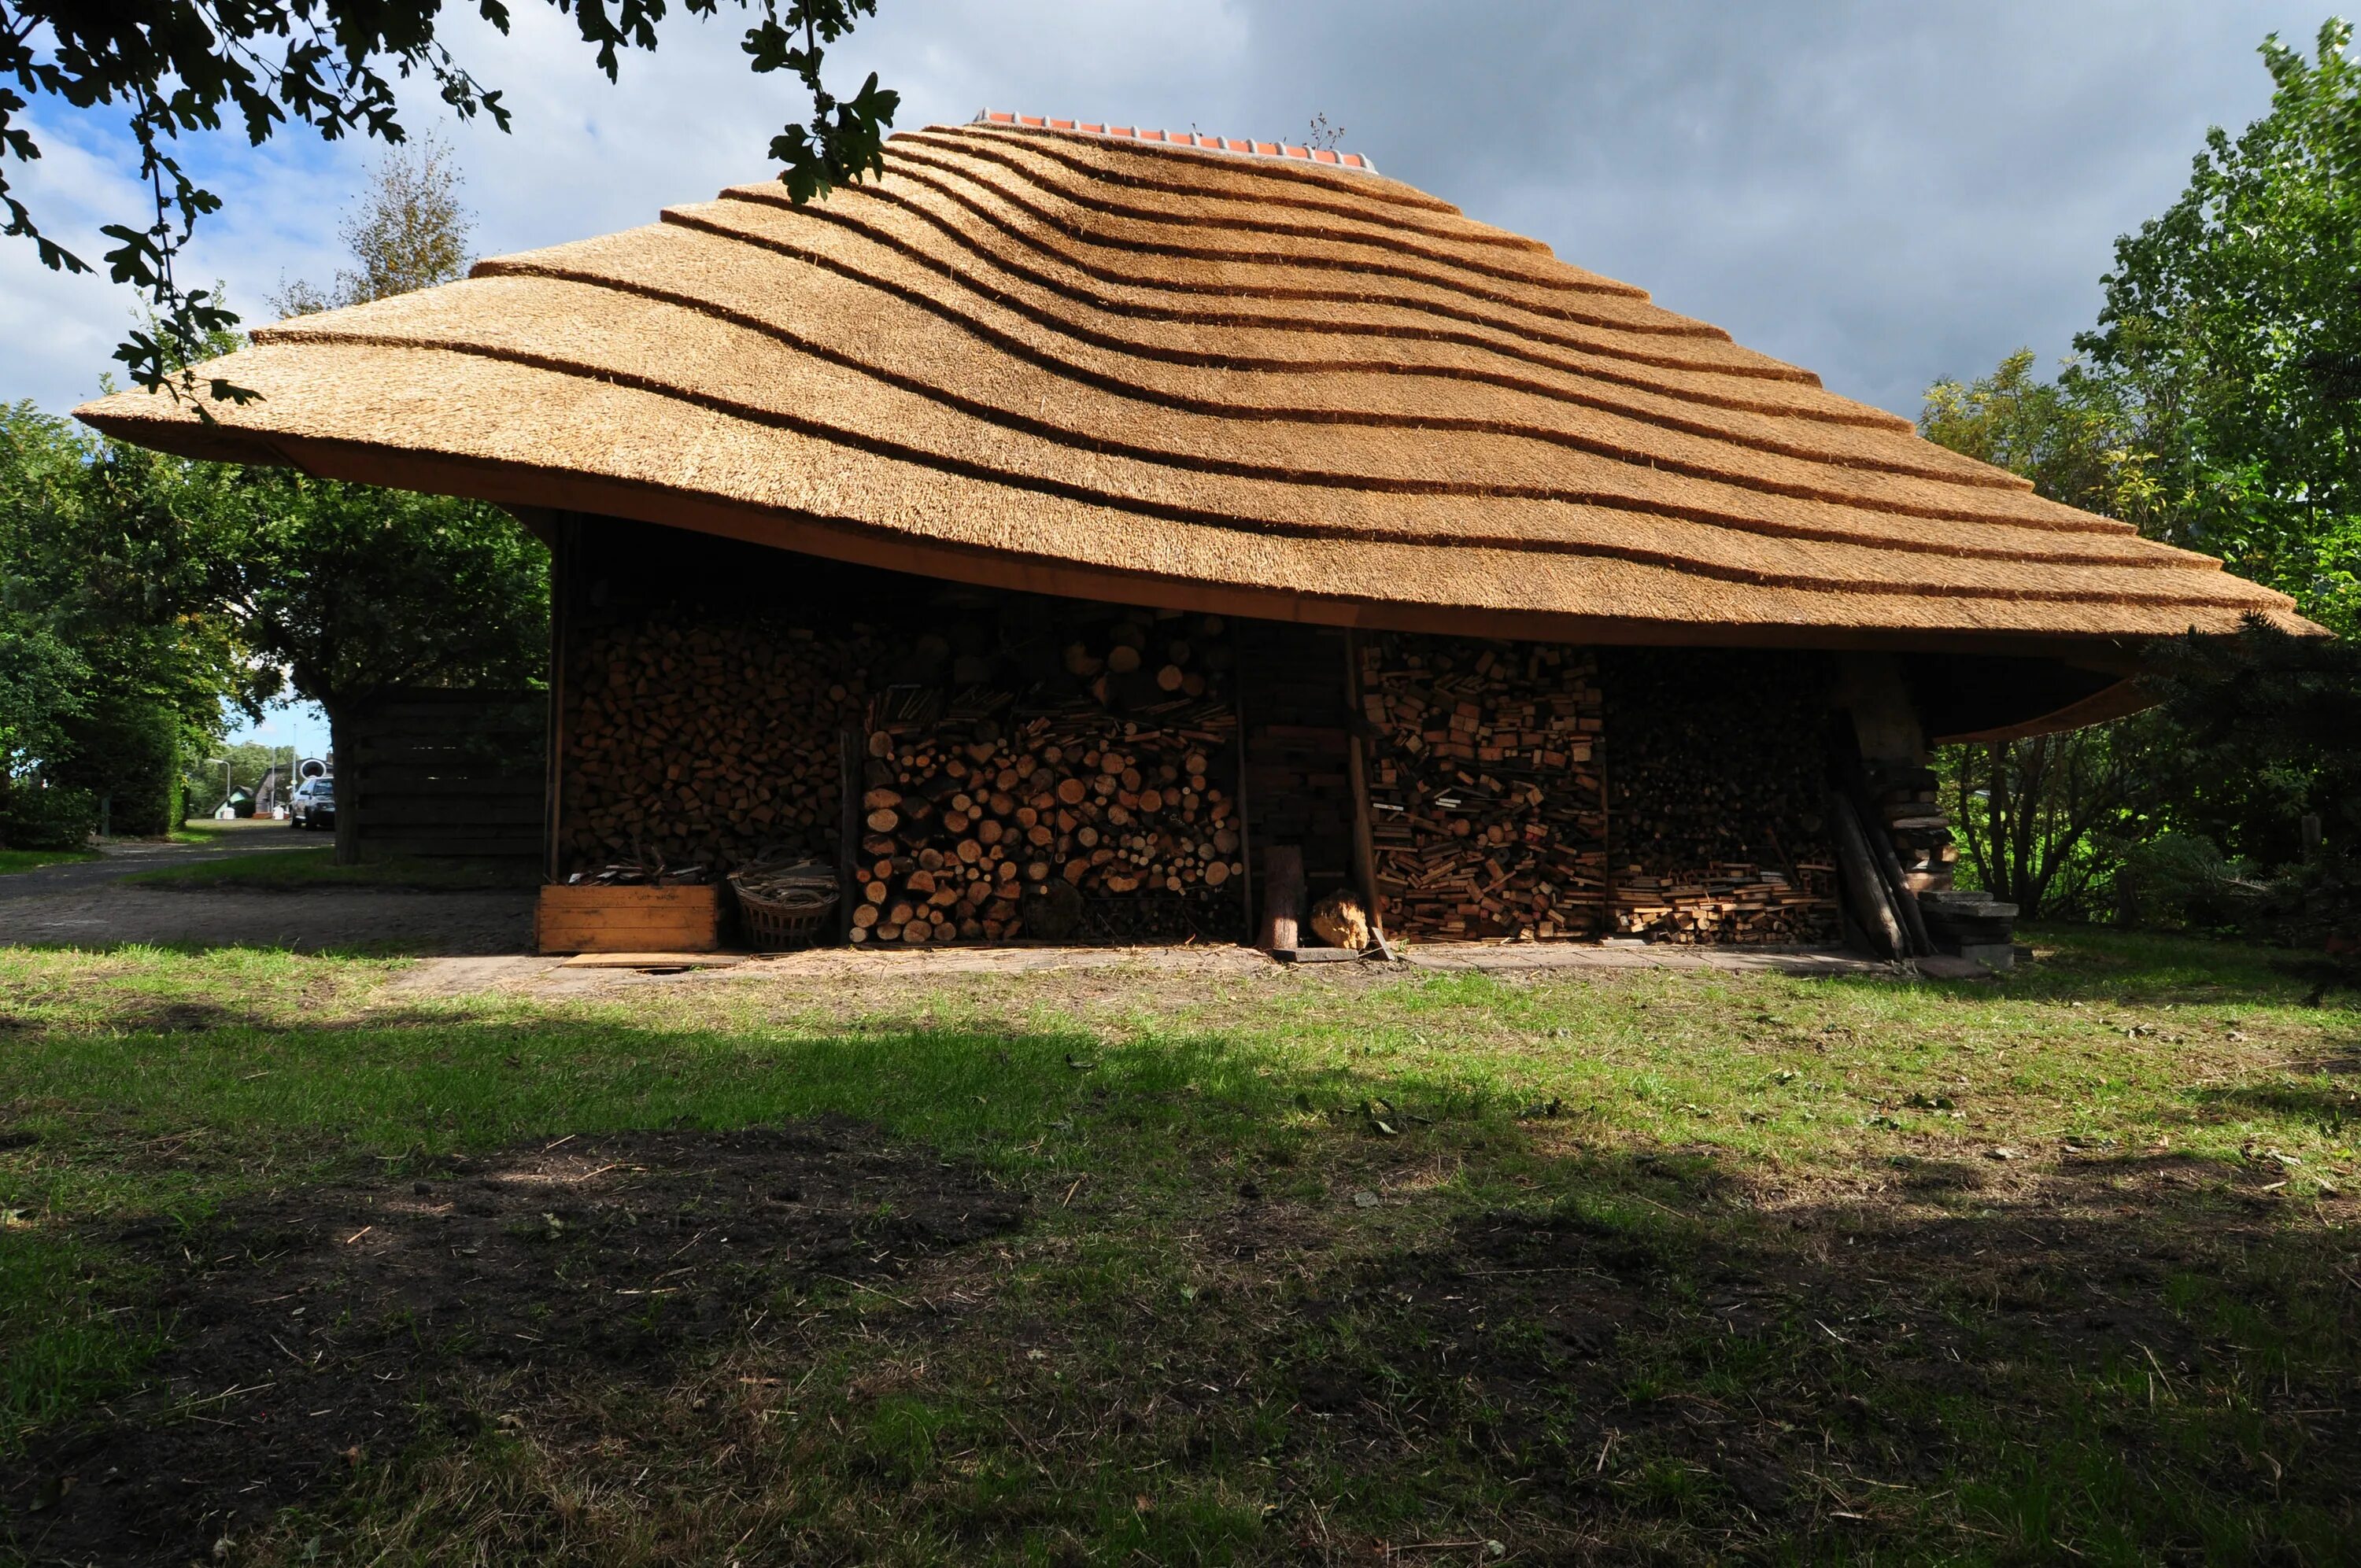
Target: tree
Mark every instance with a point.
(116, 658)
(2039, 817)
(2070, 436)
(2232, 334)
(2265, 698)
(410, 234)
(177, 65)
(2036, 815)
(355, 592)
(347, 591)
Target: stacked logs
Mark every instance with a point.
(692, 742)
(1718, 785)
(1486, 798)
(1101, 806)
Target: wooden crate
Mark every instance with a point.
(592, 918)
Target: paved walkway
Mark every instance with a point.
(124, 857)
(83, 903)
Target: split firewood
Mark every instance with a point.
(1101, 805)
(1486, 800)
(1718, 772)
(705, 741)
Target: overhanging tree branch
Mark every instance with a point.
(174, 66)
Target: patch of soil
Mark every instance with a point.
(316, 1330)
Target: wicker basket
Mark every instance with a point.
(773, 926)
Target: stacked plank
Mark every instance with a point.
(1717, 802)
(694, 741)
(1911, 811)
(1101, 806)
(1726, 903)
(1487, 808)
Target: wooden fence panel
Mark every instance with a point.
(449, 773)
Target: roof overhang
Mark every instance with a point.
(1075, 364)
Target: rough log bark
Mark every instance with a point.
(1282, 898)
(1865, 892)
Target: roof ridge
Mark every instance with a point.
(1326, 157)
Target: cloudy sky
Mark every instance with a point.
(1886, 192)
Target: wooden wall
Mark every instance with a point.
(447, 773)
(1298, 778)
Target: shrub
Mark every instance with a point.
(35, 815)
(2181, 879)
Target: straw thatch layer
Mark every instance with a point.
(1047, 359)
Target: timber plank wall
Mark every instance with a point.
(1297, 774)
(448, 772)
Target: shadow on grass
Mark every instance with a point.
(313, 1329)
(2333, 1107)
(2098, 963)
(1208, 1347)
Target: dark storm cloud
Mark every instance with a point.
(1882, 193)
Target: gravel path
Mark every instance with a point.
(84, 905)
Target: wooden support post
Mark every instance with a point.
(851, 753)
(1864, 887)
(1602, 755)
(565, 555)
(1282, 898)
(1245, 815)
(1356, 769)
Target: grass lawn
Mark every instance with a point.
(211, 831)
(291, 870)
(27, 860)
(1116, 1265)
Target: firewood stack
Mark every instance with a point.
(1907, 800)
(1298, 777)
(1485, 801)
(694, 741)
(1098, 805)
(1717, 773)
(1728, 903)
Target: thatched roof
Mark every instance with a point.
(1162, 373)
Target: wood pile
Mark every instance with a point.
(1297, 780)
(1737, 903)
(1486, 802)
(1098, 807)
(705, 741)
(1718, 778)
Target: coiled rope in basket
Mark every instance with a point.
(785, 902)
